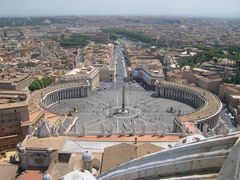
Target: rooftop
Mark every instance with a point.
(30, 175)
(9, 97)
(81, 144)
(12, 78)
(232, 87)
(13, 105)
(122, 153)
(83, 70)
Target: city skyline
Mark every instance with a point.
(204, 8)
(91, 90)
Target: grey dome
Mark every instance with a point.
(79, 175)
(46, 176)
(87, 156)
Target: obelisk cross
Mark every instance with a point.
(123, 99)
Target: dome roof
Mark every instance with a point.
(46, 176)
(79, 175)
(87, 156)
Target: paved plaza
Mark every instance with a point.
(147, 114)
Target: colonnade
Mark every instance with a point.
(192, 97)
(61, 94)
(183, 95)
(211, 122)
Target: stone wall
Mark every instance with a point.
(35, 158)
(11, 118)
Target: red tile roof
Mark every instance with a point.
(31, 175)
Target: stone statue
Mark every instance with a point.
(55, 131)
(36, 131)
(61, 129)
(163, 131)
(179, 113)
(211, 132)
(133, 128)
(143, 129)
(205, 129)
(110, 130)
(44, 130)
(30, 130)
(75, 129)
(221, 129)
(102, 129)
(184, 131)
(83, 129)
(123, 131)
(156, 129)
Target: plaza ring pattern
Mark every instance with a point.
(207, 105)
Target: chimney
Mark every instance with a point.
(135, 140)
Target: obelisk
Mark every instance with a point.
(123, 99)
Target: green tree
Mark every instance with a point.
(74, 40)
(113, 36)
(40, 83)
(133, 35)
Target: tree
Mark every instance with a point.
(113, 36)
(74, 40)
(133, 35)
(40, 83)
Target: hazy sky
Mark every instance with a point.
(223, 8)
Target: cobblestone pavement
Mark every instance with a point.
(147, 114)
